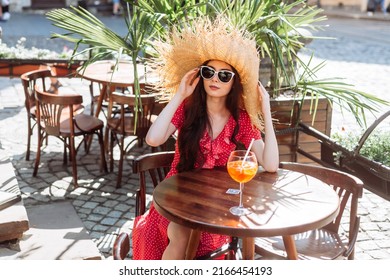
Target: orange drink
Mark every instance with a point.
(242, 172)
(242, 167)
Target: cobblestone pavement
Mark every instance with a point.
(363, 58)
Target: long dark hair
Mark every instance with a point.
(196, 121)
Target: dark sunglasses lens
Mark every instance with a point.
(225, 76)
(207, 72)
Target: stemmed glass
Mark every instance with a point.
(242, 167)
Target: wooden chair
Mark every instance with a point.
(56, 117)
(121, 246)
(123, 122)
(329, 242)
(29, 79)
(155, 166)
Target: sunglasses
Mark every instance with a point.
(208, 73)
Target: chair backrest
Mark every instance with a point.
(127, 104)
(53, 109)
(121, 246)
(157, 165)
(30, 80)
(347, 186)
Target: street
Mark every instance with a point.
(360, 54)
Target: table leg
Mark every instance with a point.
(248, 248)
(101, 98)
(192, 245)
(289, 245)
(99, 104)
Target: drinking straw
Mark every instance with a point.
(247, 152)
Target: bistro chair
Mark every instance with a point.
(98, 87)
(124, 122)
(150, 167)
(331, 241)
(56, 117)
(29, 79)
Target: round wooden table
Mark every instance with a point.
(110, 77)
(282, 204)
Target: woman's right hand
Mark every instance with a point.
(188, 83)
(162, 128)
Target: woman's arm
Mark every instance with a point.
(267, 151)
(162, 127)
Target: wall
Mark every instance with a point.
(18, 5)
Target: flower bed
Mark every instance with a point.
(18, 59)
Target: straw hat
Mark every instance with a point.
(203, 40)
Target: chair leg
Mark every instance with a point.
(111, 151)
(103, 163)
(29, 133)
(92, 98)
(73, 159)
(65, 158)
(106, 135)
(85, 140)
(233, 249)
(120, 165)
(38, 157)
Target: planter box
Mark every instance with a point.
(16, 67)
(287, 116)
(375, 175)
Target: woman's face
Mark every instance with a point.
(214, 87)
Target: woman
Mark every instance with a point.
(215, 108)
(115, 7)
(4, 10)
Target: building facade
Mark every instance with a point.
(19, 5)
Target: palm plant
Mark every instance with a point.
(101, 42)
(172, 12)
(277, 27)
(280, 30)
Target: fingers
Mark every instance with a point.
(261, 87)
(189, 82)
(195, 76)
(262, 91)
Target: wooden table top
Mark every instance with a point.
(282, 203)
(103, 72)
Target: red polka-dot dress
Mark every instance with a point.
(150, 230)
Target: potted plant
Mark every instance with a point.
(278, 27)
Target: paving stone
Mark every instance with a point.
(115, 214)
(101, 210)
(378, 254)
(91, 205)
(109, 221)
(368, 245)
